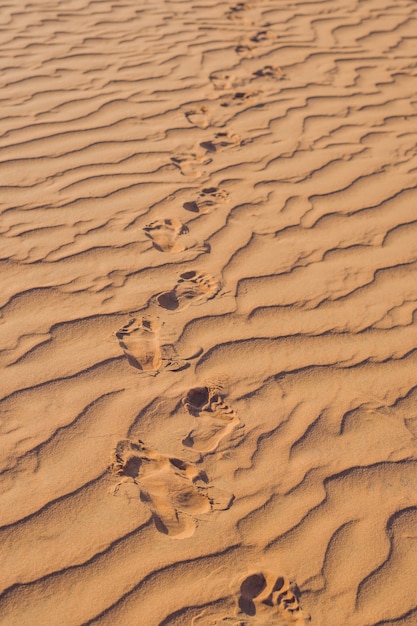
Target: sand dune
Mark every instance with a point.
(209, 381)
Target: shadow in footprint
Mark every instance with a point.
(251, 587)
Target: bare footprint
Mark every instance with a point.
(215, 420)
(174, 490)
(263, 35)
(262, 590)
(192, 288)
(208, 197)
(240, 6)
(190, 164)
(221, 141)
(239, 98)
(198, 116)
(246, 49)
(164, 234)
(225, 80)
(140, 341)
(270, 71)
(237, 13)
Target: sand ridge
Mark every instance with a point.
(209, 274)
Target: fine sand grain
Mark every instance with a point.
(209, 313)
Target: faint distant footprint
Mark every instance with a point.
(208, 197)
(221, 141)
(192, 288)
(237, 12)
(198, 116)
(270, 71)
(263, 35)
(225, 80)
(259, 591)
(240, 98)
(164, 234)
(246, 48)
(140, 341)
(174, 490)
(215, 420)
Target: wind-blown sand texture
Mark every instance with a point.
(209, 238)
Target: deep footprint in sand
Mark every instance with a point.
(164, 234)
(190, 164)
(174, 490)
(215, 419)
(221, 141)
(269, 594)
(208, 197)
(198, 116)
(192, 288)
(140, 341)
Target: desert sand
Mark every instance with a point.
(209, 306)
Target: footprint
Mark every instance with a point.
(246, 49)
(225, 80)
(264, 35)
(198, 116)
(189, 164)
(270, 71)
(174, 490)
(282, 595)
(208, 197)
(241, 6)
(139, 340)
(221, 141)
(239, 98)
(164, 234)
(236, 13)
(215, 420)
(191, 288)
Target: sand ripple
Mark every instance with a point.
(240, 180)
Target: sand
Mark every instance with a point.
(209, 296)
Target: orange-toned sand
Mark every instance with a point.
(209, 307)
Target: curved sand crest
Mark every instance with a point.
(280, 136)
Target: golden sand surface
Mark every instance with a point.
(208, 407)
